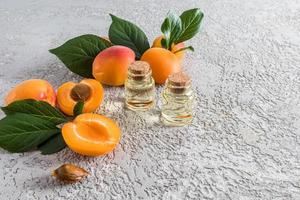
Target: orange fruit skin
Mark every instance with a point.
(91, 134)
(174, 48)
(163, 63)
(67, 104)
(110, 65)
(37, 89)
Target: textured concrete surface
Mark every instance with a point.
(245, 139)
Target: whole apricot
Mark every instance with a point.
(91, 134)
(89, 91)
(110, 65)
(174, 48)
(163, 63)
(37, 89)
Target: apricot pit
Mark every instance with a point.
(81, 92)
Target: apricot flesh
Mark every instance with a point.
(174, 47)
(110, 65)
(90, 91)
(37, 89)
(91, 134)
(163, 63)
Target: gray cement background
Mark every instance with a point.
(245, 139)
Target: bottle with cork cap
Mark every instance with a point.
(139, 87)
(177, 100)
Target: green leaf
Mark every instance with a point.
(190, 20)
(78, 53)
(171, 28)
(122, 32)
(163, 43)
(185, 48)
(53, 145)
(22, 132)
(38, 109)
(78, 108)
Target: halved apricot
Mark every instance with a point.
(89, 91)
(91, 134)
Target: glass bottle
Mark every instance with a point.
(177, 100)
(139, 87)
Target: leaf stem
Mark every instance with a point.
(185, 48)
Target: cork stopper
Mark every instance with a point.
(139, 68)
(179, 79)
(178, 82)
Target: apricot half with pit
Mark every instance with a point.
(88, 91)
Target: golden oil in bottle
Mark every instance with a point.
(139, 87)
(177, 100)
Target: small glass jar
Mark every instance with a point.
(178, 100)
(139, 87)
